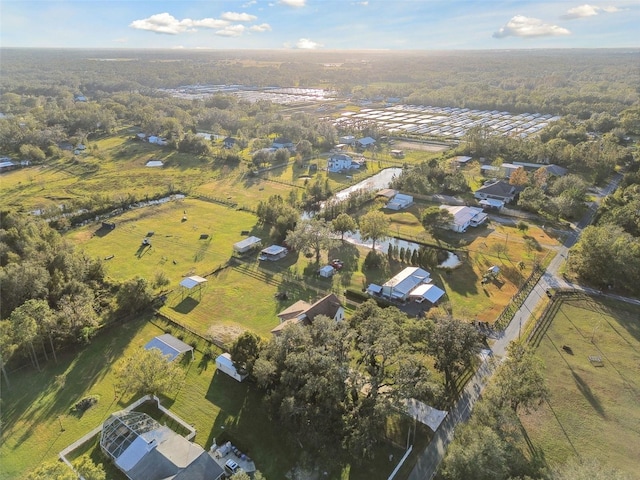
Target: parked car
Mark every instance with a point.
(336, 263)
(231, 467)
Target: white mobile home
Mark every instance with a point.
(246, 245)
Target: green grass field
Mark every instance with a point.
(178, 247)
(113, 166)
(593, 411)
(38, 404)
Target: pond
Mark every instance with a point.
(382, 246)
(378, 181)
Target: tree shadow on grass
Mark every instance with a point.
(204, 362)
(463, 280)
(588, 394)
(82, 367)
(349, 255)
(244, 420)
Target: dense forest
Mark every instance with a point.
(577, 82)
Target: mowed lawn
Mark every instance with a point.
(37, 421)
(36, 405)
(593, 412)
(195, 246)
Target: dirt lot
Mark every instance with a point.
(425, 147)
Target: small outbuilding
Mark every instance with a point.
(194, 281)
(246, 245)
(273, 253)
(169, 346)
(226, 365)
(327, 271)
(348, 140)
(400, 201)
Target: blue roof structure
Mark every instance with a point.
(169, 346)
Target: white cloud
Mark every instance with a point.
(238, 17)
(363, 4)
(587, 10)
(307, 44)
(168, 24)
(231, 31)
(521, 26)
(209, 23)
(264, 27)
(249, 3)
(293, 3)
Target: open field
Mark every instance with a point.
(593, 411)
(113, 166)
(38, 403)
(178, 250)
(178, 247)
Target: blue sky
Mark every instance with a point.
(320, 24)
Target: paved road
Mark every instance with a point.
(430, 459)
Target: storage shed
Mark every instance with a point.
(273, 253)
(226, 365)
(327, 271)
(249, 243)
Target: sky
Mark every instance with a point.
(321, 24)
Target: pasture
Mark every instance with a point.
(187, 237)
(243, 296)
(113, 166)
(593, 410)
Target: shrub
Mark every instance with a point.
(85, 404)
(356, 296)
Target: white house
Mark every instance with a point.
(461, 160)
(400, 201)
(465, 217)
(157, 140)
(170, 346)
(304, 313)
(226, 365)
(427, 291)
(142, 449)
(400, 286)
(340, 162)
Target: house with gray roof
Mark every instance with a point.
(143, 449)
(497, 190)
